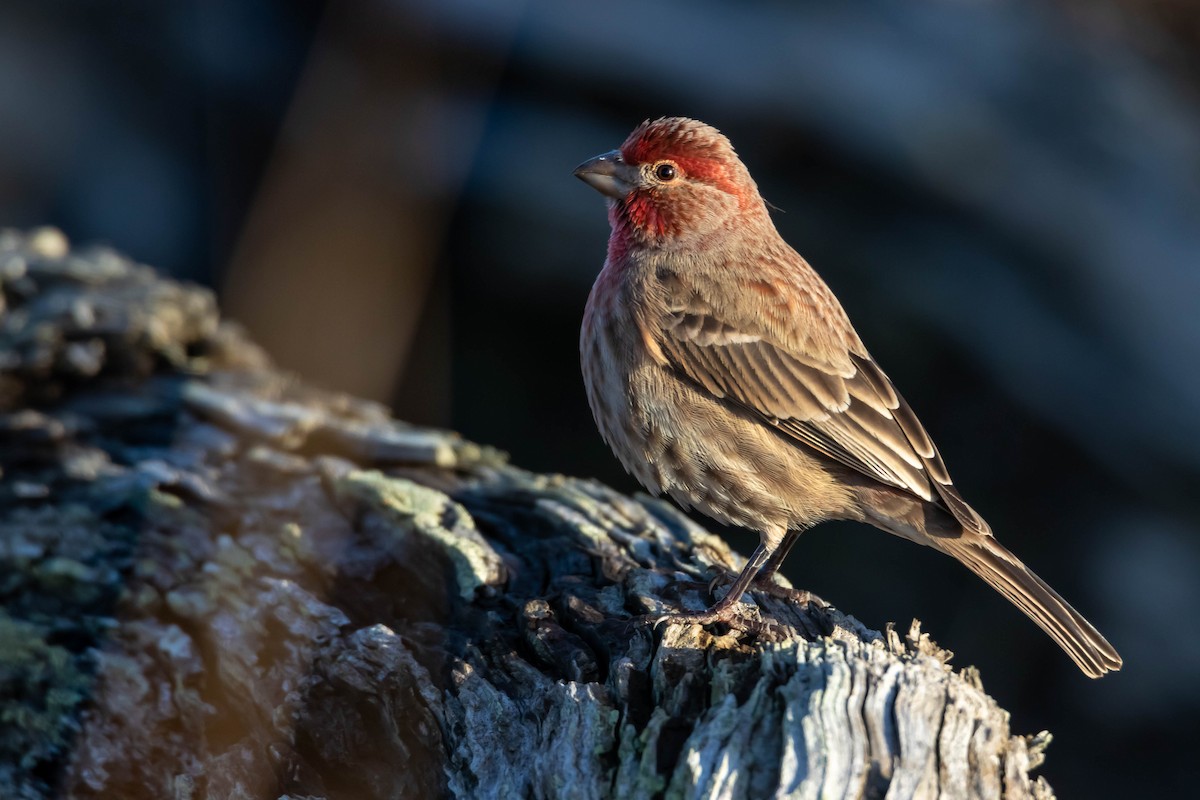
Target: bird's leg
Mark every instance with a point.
(765, 575)
(764, 581)
(722, 610)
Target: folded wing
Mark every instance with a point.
(850, 412)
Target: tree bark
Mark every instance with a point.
(221, 583)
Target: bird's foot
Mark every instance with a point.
(767, 585)
(707, 617)
(798, 596)
(733, 618)
(725, 610)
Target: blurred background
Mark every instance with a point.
(1004, 195)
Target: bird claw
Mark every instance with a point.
(721, 612)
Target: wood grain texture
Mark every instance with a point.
(223, 583)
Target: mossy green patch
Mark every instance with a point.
(41, 688)
(416, 509)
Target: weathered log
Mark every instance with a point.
(221, 583)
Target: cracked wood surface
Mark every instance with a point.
(221, 583)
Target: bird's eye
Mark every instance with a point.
(666, 172)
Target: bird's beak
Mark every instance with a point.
(608, 174)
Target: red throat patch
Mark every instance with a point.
(651, 218)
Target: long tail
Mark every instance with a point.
(1005, 573)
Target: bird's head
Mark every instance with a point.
(674, 181)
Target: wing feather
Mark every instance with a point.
(852, 415)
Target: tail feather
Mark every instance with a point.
(1005, 573)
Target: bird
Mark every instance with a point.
(722, 372)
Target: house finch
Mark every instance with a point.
(722, 371)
